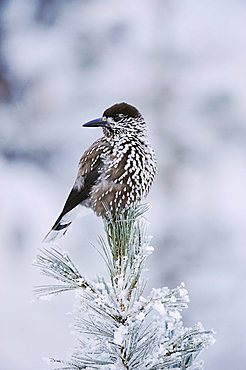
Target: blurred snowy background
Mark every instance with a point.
(182, 63)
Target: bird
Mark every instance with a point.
(115, 173)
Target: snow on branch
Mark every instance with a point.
(56, 264)
(119, 328)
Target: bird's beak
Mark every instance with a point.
(98, 122)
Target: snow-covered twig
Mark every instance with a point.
(118, 328)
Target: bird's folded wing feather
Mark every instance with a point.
(78, 195)
(89, 171)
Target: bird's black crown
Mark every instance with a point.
(124, 109)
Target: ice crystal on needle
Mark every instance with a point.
(119, 328)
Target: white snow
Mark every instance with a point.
(119, 334)
(159, 307)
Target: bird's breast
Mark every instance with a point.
(126, 175)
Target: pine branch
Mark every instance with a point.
(56, 264)
(118, 327)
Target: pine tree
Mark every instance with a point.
(119, 328)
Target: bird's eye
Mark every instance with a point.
(118, 117)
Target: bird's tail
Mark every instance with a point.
(60, 226)
(63, 222)
(56, 233)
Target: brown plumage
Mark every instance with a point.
(116, 172)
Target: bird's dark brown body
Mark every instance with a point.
(116, 172)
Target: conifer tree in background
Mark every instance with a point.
(119, 328)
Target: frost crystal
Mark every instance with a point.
(119, 328)
(119, 334)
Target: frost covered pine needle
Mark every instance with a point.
(119, 328)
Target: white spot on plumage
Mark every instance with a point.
(79, 183)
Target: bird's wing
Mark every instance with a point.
(78, 195)
(70, 210)
(89, 171)
(90, 166)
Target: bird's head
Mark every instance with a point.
(120, 119)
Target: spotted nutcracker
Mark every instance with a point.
(115, 173)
